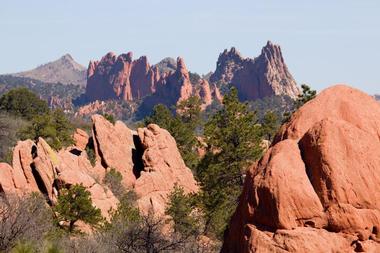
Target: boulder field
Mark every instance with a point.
(148, 160)
(317, 188)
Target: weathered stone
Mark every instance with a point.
(317, 189)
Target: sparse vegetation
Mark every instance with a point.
(113, 180)
(23, 219)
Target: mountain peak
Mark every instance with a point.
(67, 57)
(64, 70)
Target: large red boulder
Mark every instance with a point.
(317, 189)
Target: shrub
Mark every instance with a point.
(113, 180)
(23, 219)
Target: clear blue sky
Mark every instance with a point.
(323, 42)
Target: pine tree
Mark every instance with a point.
(270, 125)
(180, 208)
(233, 138)
(75, 204)
(306, 95)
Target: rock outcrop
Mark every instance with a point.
(38, 168)
(114, 146)
(120, 77)
(163, 167)
(317, 188)
(148, 160)
(266, 75)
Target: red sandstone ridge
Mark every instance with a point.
(266, 75)
(120, 77)
(148, 160)
(317, 188)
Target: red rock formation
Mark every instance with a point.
(163, 168)
(113, 146)
(38, 168)
(119, 77)
(149, 161)
(317, 189)
(205, 94)
(80, 138)
(266, 75)
(170, 89)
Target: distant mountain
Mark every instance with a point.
(65, 70)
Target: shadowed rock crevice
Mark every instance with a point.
(40, 182)
(137, 153)
(309, 166)
(92, 142)
(75, 151)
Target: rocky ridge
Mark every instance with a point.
(317, 187)
(148, 160)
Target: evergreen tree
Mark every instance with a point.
(189, 111)
(23, 103)
(180, 208)
(75, 204)
(233, 138)
(306, 95)
(270, 125)
(54, 127)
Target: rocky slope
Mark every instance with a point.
(264, 76)
(317, 188)
(65, 70)
(148, 160)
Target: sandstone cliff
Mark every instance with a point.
(317, 188)
(266, 75)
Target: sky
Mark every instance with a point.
(323, 42)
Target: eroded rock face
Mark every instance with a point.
(148, 160)
(120, 77)
(38, 168)
(163, 168)
(317, 189)
(80, 138)
(114, 146)
(266, 75)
